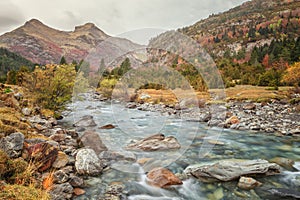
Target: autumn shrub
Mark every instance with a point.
(51, 85)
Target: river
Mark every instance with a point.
(199, 144)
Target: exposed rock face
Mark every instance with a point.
(87, 162)
(155, 143)
(248, 183)
(228, 170)
(92, 140)
(161, 177)
(12, 144)
(86, 121)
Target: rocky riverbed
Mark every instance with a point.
(91, 158)
(274, 117)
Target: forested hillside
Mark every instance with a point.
(11, 62)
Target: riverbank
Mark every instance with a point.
(274, 117)
(242, 108)
(62, 160)
(37, 155)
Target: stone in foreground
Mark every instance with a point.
(92, 140)
(12, 144)
(228, 170)
(161, 177)
(155, 143)
(248, 183)
(87, 162)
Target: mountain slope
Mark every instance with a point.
(42, 44)
(256, 22)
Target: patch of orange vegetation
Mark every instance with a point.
(48, 182)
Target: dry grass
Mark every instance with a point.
(256, 93)
(240, 92)
(10, 121)
(19, 192)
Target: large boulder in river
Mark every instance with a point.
(85, 121)
(161, 177)
(92, 140)
(227, 170)
(155, 143)
(12, 144)
(87, 162)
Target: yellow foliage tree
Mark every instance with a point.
(292, 75)
(52, 85)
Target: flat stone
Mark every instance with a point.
(227, 170)
(248, 183)
(78, 191)
(85, 121)
(108, 126)
(250, 106)
(161, 177)
(156, 142)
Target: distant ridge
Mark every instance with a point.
(42, 44)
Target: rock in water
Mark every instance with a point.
(92, 140)
(155, 143)
(85, 121)
(12, 144)
(161, 177)
(108, 126)
(284, 162)
(87, 162)
(228, 170)
(248, 183)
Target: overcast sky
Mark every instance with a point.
(115, 17)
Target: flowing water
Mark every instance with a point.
(193, 137)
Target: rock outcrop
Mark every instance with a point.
(156, 142)
(227, 170)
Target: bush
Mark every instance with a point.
(52, 85)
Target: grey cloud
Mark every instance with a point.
(10, 15)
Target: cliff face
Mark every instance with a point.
(42, 44)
